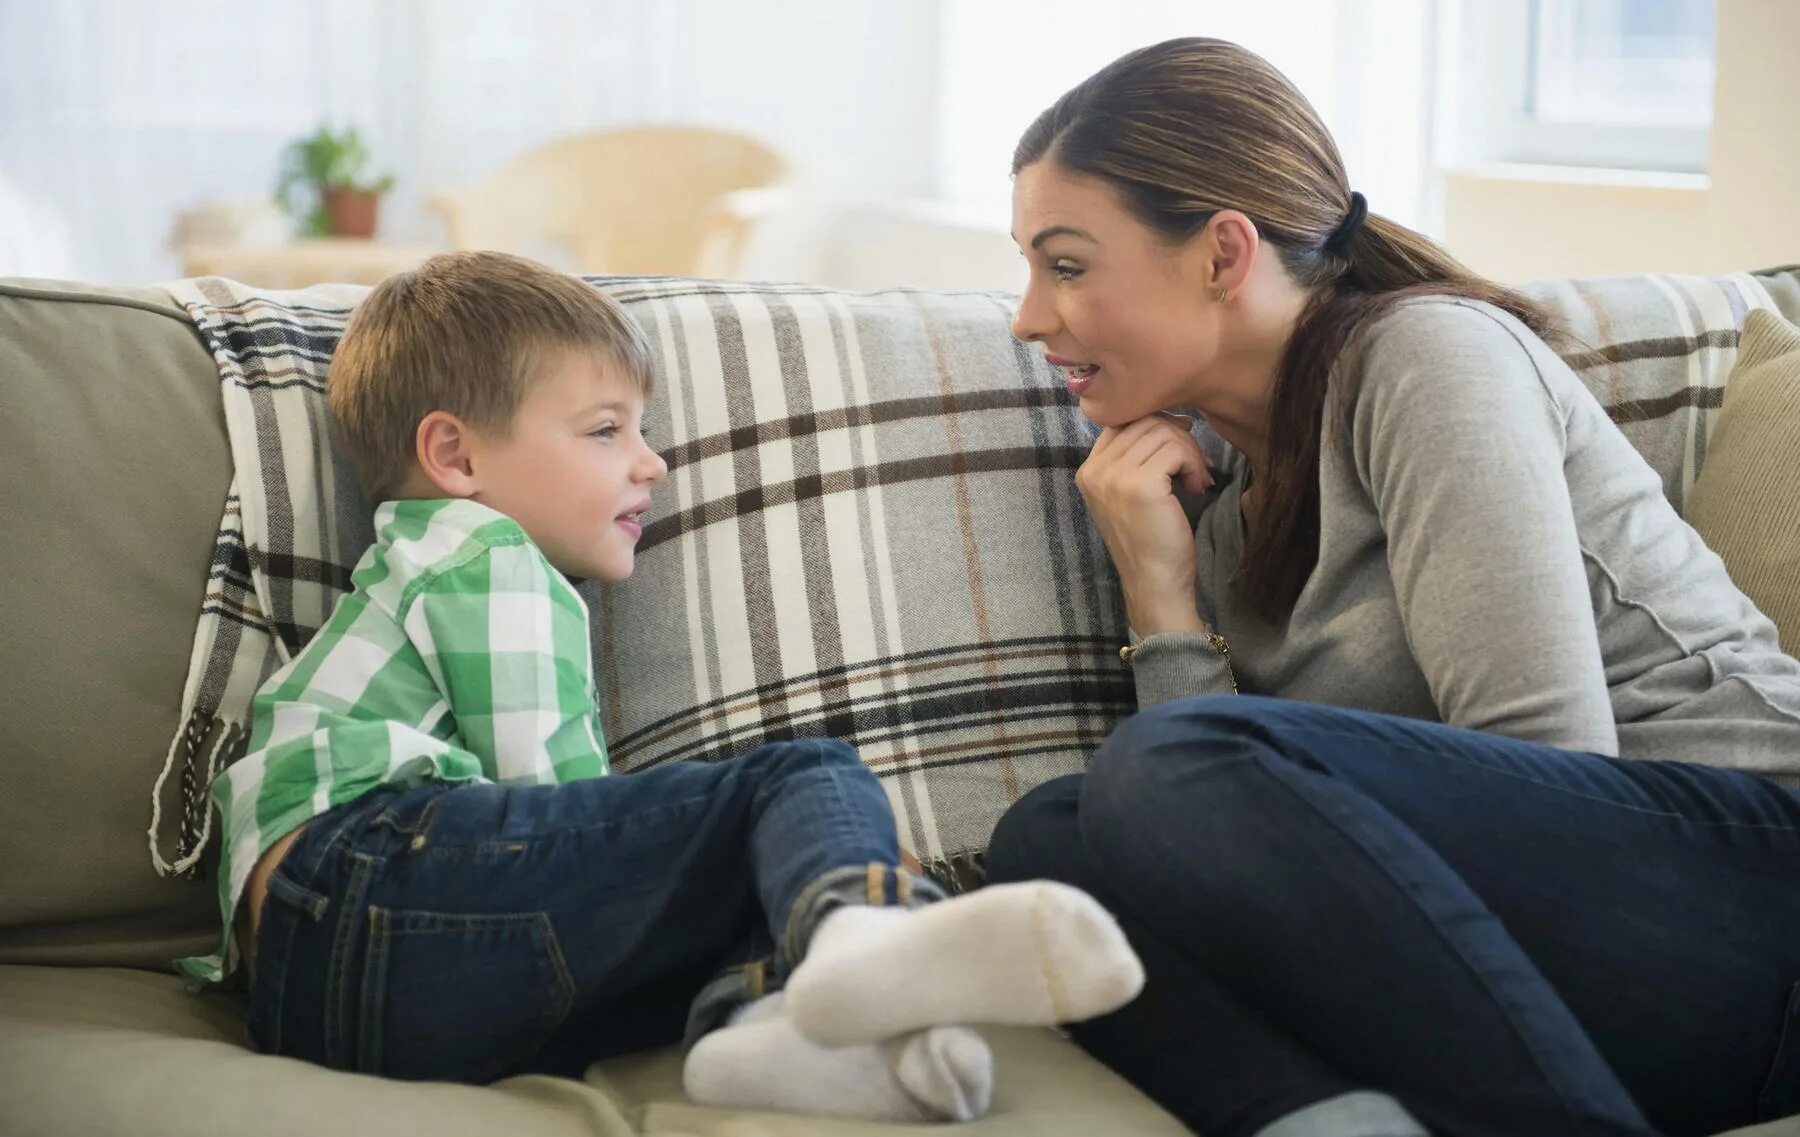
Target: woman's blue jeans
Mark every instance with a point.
(1508, 938)
(465, 932)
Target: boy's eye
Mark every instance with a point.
(605, 433)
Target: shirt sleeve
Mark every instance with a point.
(1461, 446)
(1174, 665)
(506, 638)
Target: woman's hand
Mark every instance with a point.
(1129, 481)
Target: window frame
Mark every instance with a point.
(1489, 67)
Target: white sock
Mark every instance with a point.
(762, 1061)
(1035, 953)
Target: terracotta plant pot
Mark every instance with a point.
(351, 212)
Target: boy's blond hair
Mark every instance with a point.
(466, 333)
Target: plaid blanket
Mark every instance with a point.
(870, 530)
(294, 526)
(1655, 350)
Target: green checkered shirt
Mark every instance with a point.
(460, 654)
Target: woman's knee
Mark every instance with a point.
(1036, 837)
(1149, 749)
(1170, 764)
(1203, 725)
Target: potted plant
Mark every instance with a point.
(326, 185)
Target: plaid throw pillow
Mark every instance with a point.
(870, 531)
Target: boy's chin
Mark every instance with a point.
(610, 572)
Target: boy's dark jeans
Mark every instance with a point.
(465, 932)
(1514, 940)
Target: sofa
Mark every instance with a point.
(870, 531)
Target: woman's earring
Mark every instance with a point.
(1220, 294)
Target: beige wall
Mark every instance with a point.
(1520, 222)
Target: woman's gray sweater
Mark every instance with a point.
(1494, 554)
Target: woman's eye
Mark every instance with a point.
(1065, 271)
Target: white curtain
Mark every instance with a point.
(115, 115)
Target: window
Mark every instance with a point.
(1612, 83)
(1363, 64)
(1623, 62)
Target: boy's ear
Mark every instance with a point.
(445, 448)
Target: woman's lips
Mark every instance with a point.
(1079, 376)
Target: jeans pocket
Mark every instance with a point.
(1780, 1095)
(289, 912)
(459, 998)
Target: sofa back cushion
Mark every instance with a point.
(1746, 504)
(114, 473)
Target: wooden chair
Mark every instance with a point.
(652, 200)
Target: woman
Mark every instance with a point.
(1507, 852)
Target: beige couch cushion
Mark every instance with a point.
(114, 472)
(100, 1050)
(1746, 502)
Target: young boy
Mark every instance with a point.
(427, 873)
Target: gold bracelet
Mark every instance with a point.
(1224, 649)
(1215, 639)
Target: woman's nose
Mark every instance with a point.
(1033, 320)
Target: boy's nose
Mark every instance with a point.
(654, 468)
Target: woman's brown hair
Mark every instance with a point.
(1189, 127)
